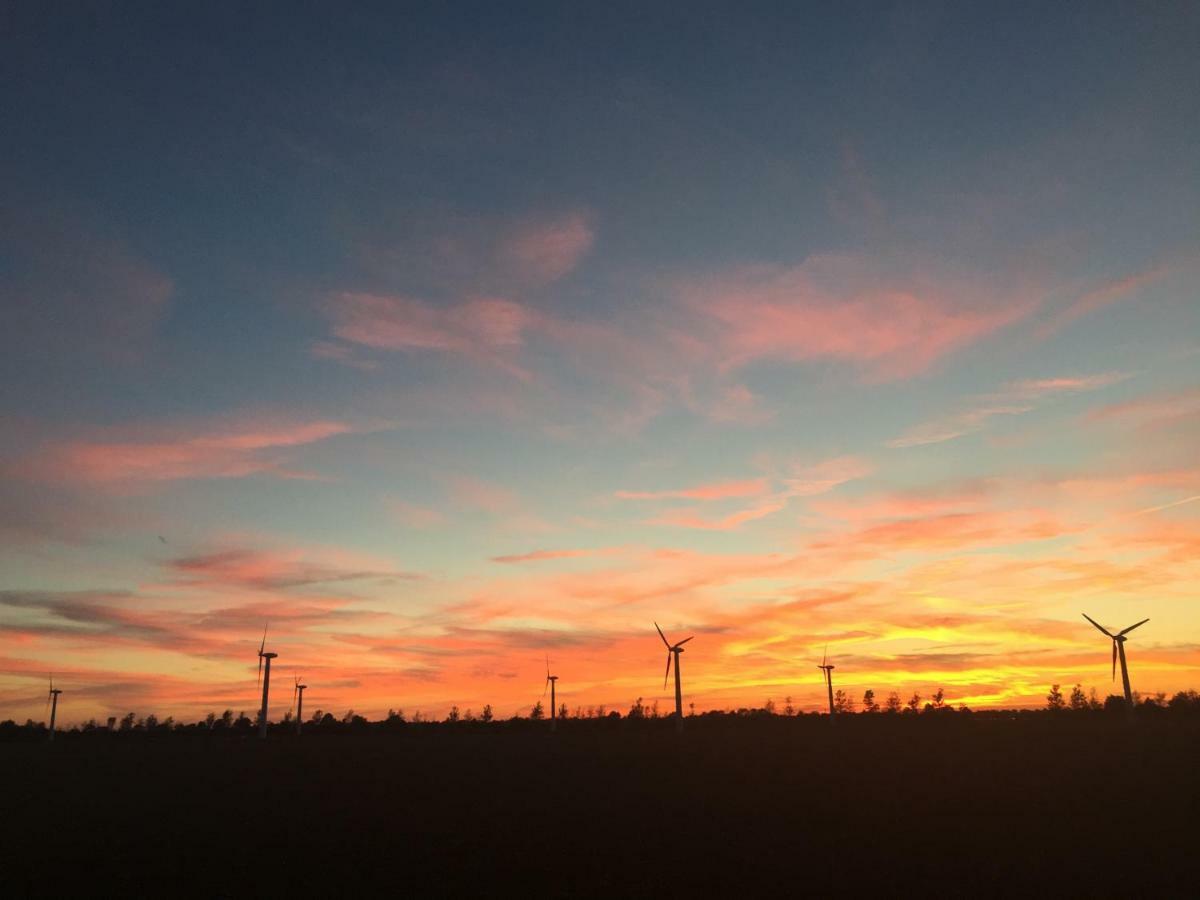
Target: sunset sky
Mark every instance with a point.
(448, 342)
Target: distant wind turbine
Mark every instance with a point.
(52, 702)
(828, 667)
(1118, 650)
(265, 678)
(298, 702)
(674, 650)
(550, 680)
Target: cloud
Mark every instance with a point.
(799, 481)
(1155, 410)
(1101, 297)
(477, 327)
(545, 251)
(808, 481)
(190, 451)
(722, 490)
(273, 570)
(693, 518)
(72, 291)
(411, 515)
(1013, 399)
(838, 308)
(475, 493)
(541, 555)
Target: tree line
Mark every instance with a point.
(321, 721)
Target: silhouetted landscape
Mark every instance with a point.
(1069, 802)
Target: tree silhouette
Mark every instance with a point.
(868, 702)
(842, 703)
(1079, 699)
(537, 712)
(1054, 699)
(893, 703)
(788, 708)
(486, 715)
(914, 703)
(453, 715)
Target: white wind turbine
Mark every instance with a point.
(1118, 650)
(674, 650)
(265, 678)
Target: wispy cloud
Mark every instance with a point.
(541, 555)
(545, 250)
(722, 490)
(1100, 297)
(1014, 399)
(160, 453)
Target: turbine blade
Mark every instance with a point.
(1131, 627)
(1098, 625)
(667, 674)
(260, 668)
(263, 645)
(663, 636)
(825, 655)
(546, 687)
(684, 641)
(1114, 675)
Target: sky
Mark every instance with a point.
(450, 341)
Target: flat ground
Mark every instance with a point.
(964, 807)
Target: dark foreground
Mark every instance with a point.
(966, 807)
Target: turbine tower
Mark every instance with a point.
(1118, 648)
(298, 702)
(828, 667)
(674, 650)
(550, 680)
(265, 678)
(52, 702)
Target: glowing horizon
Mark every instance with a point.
(446, 363)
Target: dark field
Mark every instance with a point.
(969, 806)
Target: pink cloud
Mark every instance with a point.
(545, 251)
(411, 515)
(1160, 408)
(806, 481)
(75, 291)
(692, 518)
(540, 555)
(836, 308)
(1101, 297)
(483, 495)
(1014, 399)
(280, 569)
(723, 490)
(188, 452)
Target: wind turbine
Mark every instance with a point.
(298, 702)
(265, 678)
(550, 680)
(674, 650)
(52, 702)
(1118, 647)
(828, 667)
